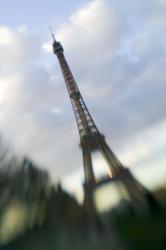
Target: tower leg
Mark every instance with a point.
(113, 162)
(88, 168)
(138, 193)
(89, 182)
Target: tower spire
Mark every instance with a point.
(52, 33)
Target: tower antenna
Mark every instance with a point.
(52, 33)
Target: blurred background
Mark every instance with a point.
(117, 54)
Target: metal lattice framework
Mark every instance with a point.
(91, 139)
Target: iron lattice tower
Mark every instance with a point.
(91, 139)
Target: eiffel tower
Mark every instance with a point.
(92, 140)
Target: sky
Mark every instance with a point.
(35, 14)
(117, 53)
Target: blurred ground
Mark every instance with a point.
(34, 214)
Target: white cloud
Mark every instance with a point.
(6, 36)
(90, 31)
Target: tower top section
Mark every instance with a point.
(57, 47)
